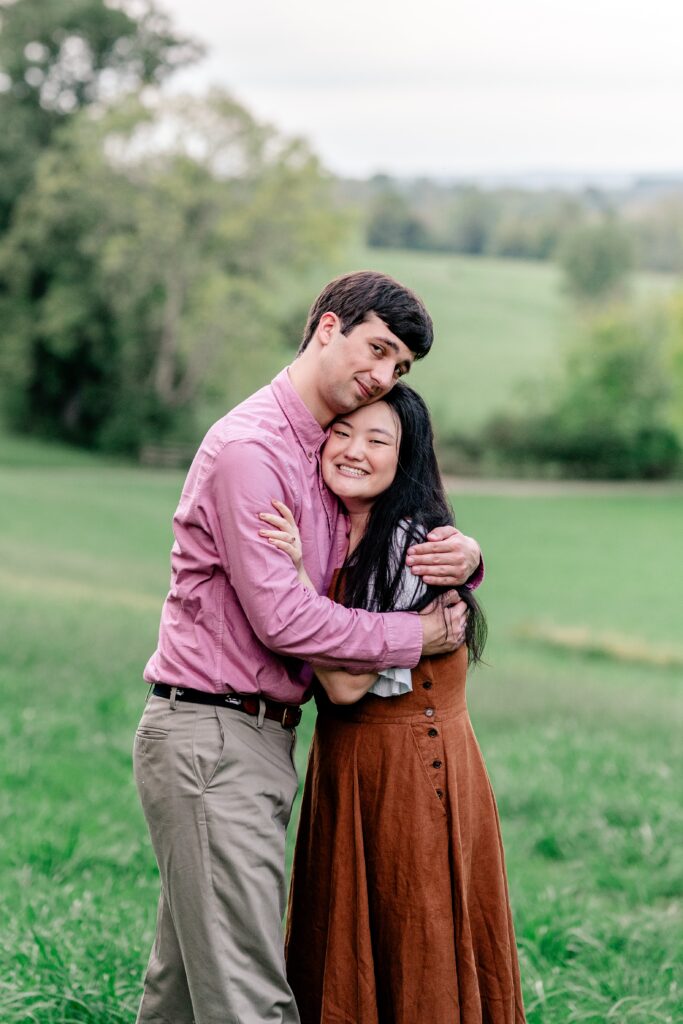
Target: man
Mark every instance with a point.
(213, 753)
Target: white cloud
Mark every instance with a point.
(456, 87)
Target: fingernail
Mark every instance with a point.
(409, 560)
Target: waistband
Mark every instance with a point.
(288, 715)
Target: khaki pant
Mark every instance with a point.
(217, 788)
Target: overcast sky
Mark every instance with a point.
(447, 88)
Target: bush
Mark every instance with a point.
(610, 415)
(596, 260)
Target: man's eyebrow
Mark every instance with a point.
(387, 341)
(407, 363)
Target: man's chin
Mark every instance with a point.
(348, 403)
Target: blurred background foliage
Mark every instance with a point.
(157, 254)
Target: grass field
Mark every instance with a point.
(584, 753)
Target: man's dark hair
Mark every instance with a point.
(413, 504)
(353, 296)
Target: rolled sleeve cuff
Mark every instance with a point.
(477, 576)
(404, 637)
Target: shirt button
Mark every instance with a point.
(432, 732)
(427, 684)
(429, 712)
(436, 764)
(439, 793)
(310, 454)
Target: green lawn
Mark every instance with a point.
(584, 754)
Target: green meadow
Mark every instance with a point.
(500, 326)
(582, 740)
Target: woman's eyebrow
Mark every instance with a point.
(378, 430)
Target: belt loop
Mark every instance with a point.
(174, 690)
(261, 713)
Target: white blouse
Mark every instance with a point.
(393, 682)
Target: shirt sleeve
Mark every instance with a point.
(286, 617)
(477, 577)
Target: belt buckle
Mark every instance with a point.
(232, 700)
(296, 716)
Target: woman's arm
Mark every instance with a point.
(285, 535)
(343, 687)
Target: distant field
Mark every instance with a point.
(498, 325)
(584, 754)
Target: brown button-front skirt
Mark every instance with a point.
(399, 910)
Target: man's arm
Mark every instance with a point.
(288, 618)
(346, 688)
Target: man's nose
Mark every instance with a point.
(383, 374)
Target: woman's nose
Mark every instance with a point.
(355, 450)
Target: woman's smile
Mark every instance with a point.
(351, 470)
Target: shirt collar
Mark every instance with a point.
(308, 431)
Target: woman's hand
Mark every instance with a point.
(284, 535)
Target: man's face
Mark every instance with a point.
(361, 366)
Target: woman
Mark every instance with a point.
(398, 911)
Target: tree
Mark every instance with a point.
(596, 260)
(469, 222)
(674, 359)
(59, 56)
(142, 263)
(393, 225)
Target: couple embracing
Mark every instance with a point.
(315, 551)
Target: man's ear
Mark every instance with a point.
(328, 326)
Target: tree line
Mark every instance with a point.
(142, 238)
(150, 248)
(646, 219)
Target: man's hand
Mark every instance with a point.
(446, 559)
(443, 624)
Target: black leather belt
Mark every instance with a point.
(288, 715)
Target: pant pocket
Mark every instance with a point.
(146, 732)
(207, 746)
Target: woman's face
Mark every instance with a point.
(360, 457)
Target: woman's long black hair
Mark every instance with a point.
(413, 505)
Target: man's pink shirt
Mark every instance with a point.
(236, 617)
